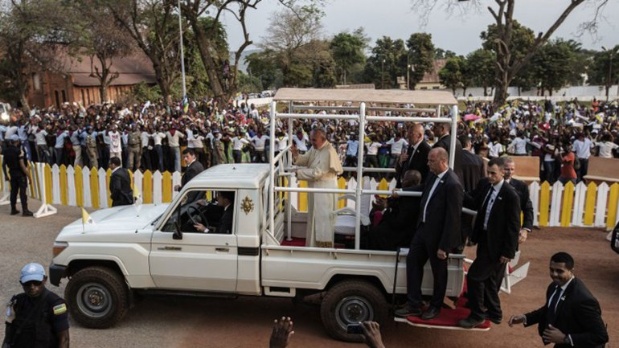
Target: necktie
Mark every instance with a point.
(487, 204)
(425, 206)
(552, 307)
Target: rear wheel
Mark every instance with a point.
(97, 297)
(351, 302)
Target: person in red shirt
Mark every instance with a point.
(568, 173)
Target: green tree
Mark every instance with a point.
(385, 63)
(263, 66)
(605, 68)
(154, 28)
(30, 32)
(293, 35)
(481, 66)
(552, 65)
(420, 57)
(440, 53)
(502, 13)
(102, 40)
(451, 74)
(348, 51)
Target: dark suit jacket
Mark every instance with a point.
(418, 161)
(525, 202)
(398, 225)
(445, 143)
(192, 170)
(501, 236)
(120, 188)
(578, 314)
(472, 170)
(225, 223)
(442, 226)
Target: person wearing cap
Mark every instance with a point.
(17, 174)
(37, 317)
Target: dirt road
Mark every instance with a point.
(246, 322)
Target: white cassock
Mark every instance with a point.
(322, 168)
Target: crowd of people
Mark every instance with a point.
(150, 136)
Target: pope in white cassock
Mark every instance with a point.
(321, 168)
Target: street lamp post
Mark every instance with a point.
(382, 75)
(609, 82)
(409, 67)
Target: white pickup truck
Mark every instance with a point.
(155, 249)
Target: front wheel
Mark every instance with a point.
(97, 297)
(351, 302)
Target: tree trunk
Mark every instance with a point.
(207, 59)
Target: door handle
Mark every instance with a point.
(222, 249)
(172, 248)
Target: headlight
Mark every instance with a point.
(4, 116)
(59, 247)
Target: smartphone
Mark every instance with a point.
(354, 329)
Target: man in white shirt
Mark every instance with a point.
(259, 140)
(301, 140)
(582, 149)
(397, 144)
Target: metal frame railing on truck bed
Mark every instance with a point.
(377, 99)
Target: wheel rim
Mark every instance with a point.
(94, 300)
(352, 310)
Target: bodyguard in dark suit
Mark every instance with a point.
(496, 234)
(397, 227)
(571, 316)
(441, 131)
(194, 168)
(120, 184)
(438, 231)
(416, 157)
(473, 168)
(509, 169)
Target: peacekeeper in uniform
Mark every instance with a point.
(36, 318)
(15, 161)
(135, 148)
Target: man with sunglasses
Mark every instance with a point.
(37, 317)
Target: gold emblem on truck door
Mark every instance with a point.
(247, 205)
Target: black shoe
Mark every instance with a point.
(14, 212)
(496, 320)
(470, 322)
(431, 313)
(27, 213)
(407, 311)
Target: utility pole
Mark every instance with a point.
(382, 75)
(609, 77)
(180, 28)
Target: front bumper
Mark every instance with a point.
(56, 273)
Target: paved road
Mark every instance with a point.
(246, 322)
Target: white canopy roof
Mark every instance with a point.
(384, 96)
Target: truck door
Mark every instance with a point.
(199, 261)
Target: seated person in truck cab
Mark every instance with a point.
(225, 199)
(203, 216)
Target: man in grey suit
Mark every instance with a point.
(438, 231)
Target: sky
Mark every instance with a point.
(455, 32)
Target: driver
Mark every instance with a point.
(225, 199)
